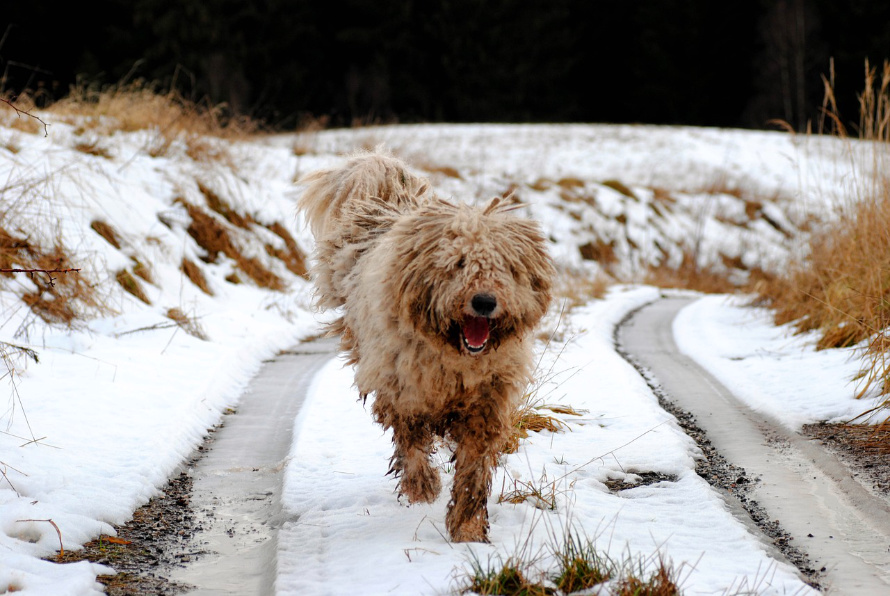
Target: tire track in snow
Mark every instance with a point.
(843, 527)
(237, 485)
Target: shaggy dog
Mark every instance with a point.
(438, 304)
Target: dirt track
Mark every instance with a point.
(804, 502)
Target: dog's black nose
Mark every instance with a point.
(484, 304)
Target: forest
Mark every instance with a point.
(740, 63)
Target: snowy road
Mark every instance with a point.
(844, 528)
(237, 486)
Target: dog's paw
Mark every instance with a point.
(420, 486)
(474, 530)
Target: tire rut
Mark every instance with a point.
(798, 498)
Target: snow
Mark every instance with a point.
(772, 369)
(348, 534)
(118, 401)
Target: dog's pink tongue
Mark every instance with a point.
(476, 331)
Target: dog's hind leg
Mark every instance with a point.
(418, 479)
(479, 438)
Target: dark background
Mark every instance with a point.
(701, 62)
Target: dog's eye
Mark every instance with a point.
(461, 263)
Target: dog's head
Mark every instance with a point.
(470, 277)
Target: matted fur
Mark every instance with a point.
(439, 302)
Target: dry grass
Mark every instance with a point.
(578, 288)
(18, 116)
(535, 414)
(579, 567)
(660, 583)
(195, 275)
(447, 171)
(842, 288)
(599, 251)
(56, 297)
(291, 255)
(541, 493)
(142, 271)
(188, 324)
(221, 206)
(94, 148)
(690, 276)
(138, 106)
(533, 417)
(208, 149)
(131, 285)
(212, 234)
(620, 187)
(107, 232)
(506, 578)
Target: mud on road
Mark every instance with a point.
(155, 541)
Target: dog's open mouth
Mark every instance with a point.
(475, 332)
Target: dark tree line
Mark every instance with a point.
(733, 63)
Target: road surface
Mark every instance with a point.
(237, 485)
(843, 527)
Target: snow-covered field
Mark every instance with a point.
(111, 406)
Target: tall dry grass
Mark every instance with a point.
(138, 105)
(841, 289)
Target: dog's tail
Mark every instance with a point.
(333, 197)
(348, 208)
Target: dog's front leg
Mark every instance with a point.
(478, 440)
(418, 479)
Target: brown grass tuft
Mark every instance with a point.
(507, 579)
(258, 272)
(580, 288)
(131, 285)
(206, 149)
(188, 324)
(690, 276)
(292, 257)
(213, 236)
(142, 271)
(93, 148)
(139, 105)
(540, 493)
(620, 187)
(195, 275)
(221, 206)
(600, 251)
(58, 297)
(541, 184)
(661, 583)
(107, 232)
(444, 170)
(209, 233)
